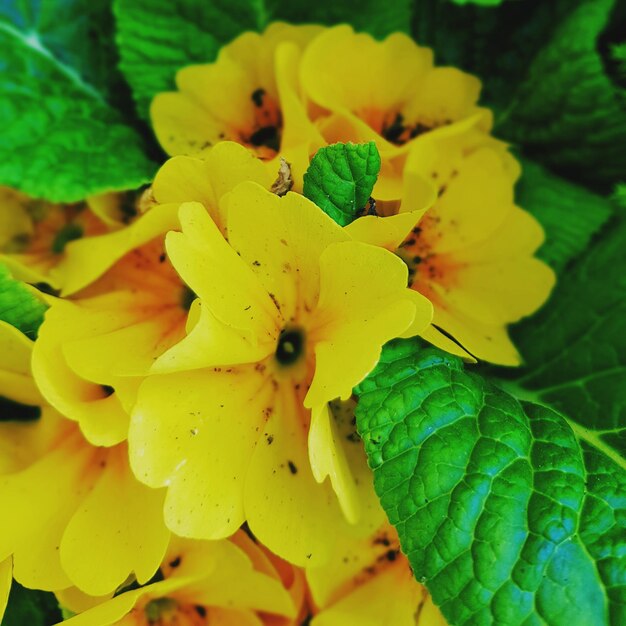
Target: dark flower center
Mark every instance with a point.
(290, 346)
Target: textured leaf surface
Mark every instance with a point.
(506, 513)
(569, 213)
(570, 114)
(79, 33)
(60, 139)
(340, 179)
(28, 607)
(158, 37)
(575, 349)
(19, 306)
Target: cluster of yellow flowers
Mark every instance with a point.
(195, 460)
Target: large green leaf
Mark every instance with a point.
(575, 349)
(28, 607)
(507, 513)
(60, 138)
(340, 179)
(158, 37)
(569, 213)
(20, 305)
(79, 33)
(568, 112)
(515, 513)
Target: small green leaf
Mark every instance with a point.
(19, 304)
(569, 214)
(508, 513)
(61, 140)
(28, 607)
(340, 179)
(158, 37)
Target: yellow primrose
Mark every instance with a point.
(202, 583)
(369, 582)
(6, 579)
(125, 305)
(34, 234)
(78, 516)
(290, 315)
(471, 254)
(361, 89)
(250, 95)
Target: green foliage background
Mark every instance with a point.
(507, 487)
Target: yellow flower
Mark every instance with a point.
(34, 234)
(384, 91)
(291, 314)
(125, 303)
(369, 582)
(202, 583)
(6, 578)
(471, 254)
(77, 515)
(250, 95)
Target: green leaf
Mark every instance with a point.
(77, 32)
(340, 179)
(158, 37)
(575, 348)
(507, 513)
(484, 3)
(372, 16)
(19, 304)
(569, 214)
(568, 113)
(28, 607)
(61, 140)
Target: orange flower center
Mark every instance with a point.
(265, 135)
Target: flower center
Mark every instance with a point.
(266, 136)
(397, 131)
(168, 612)
(290, 347)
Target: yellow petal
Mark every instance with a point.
(88, 258)
(234, 583)
(210, 266)
(211, 343)
(363, 304)
(287, 510)
(101, 416)
(195, 431)
(6, 578)
(439, 340)
(342, 70)
(119, 524)
(187, 179)
(56, 484)
(369, 604)
(281, 240)
(390, 232)
(218, 616)
(335, 450)
(16, 381)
